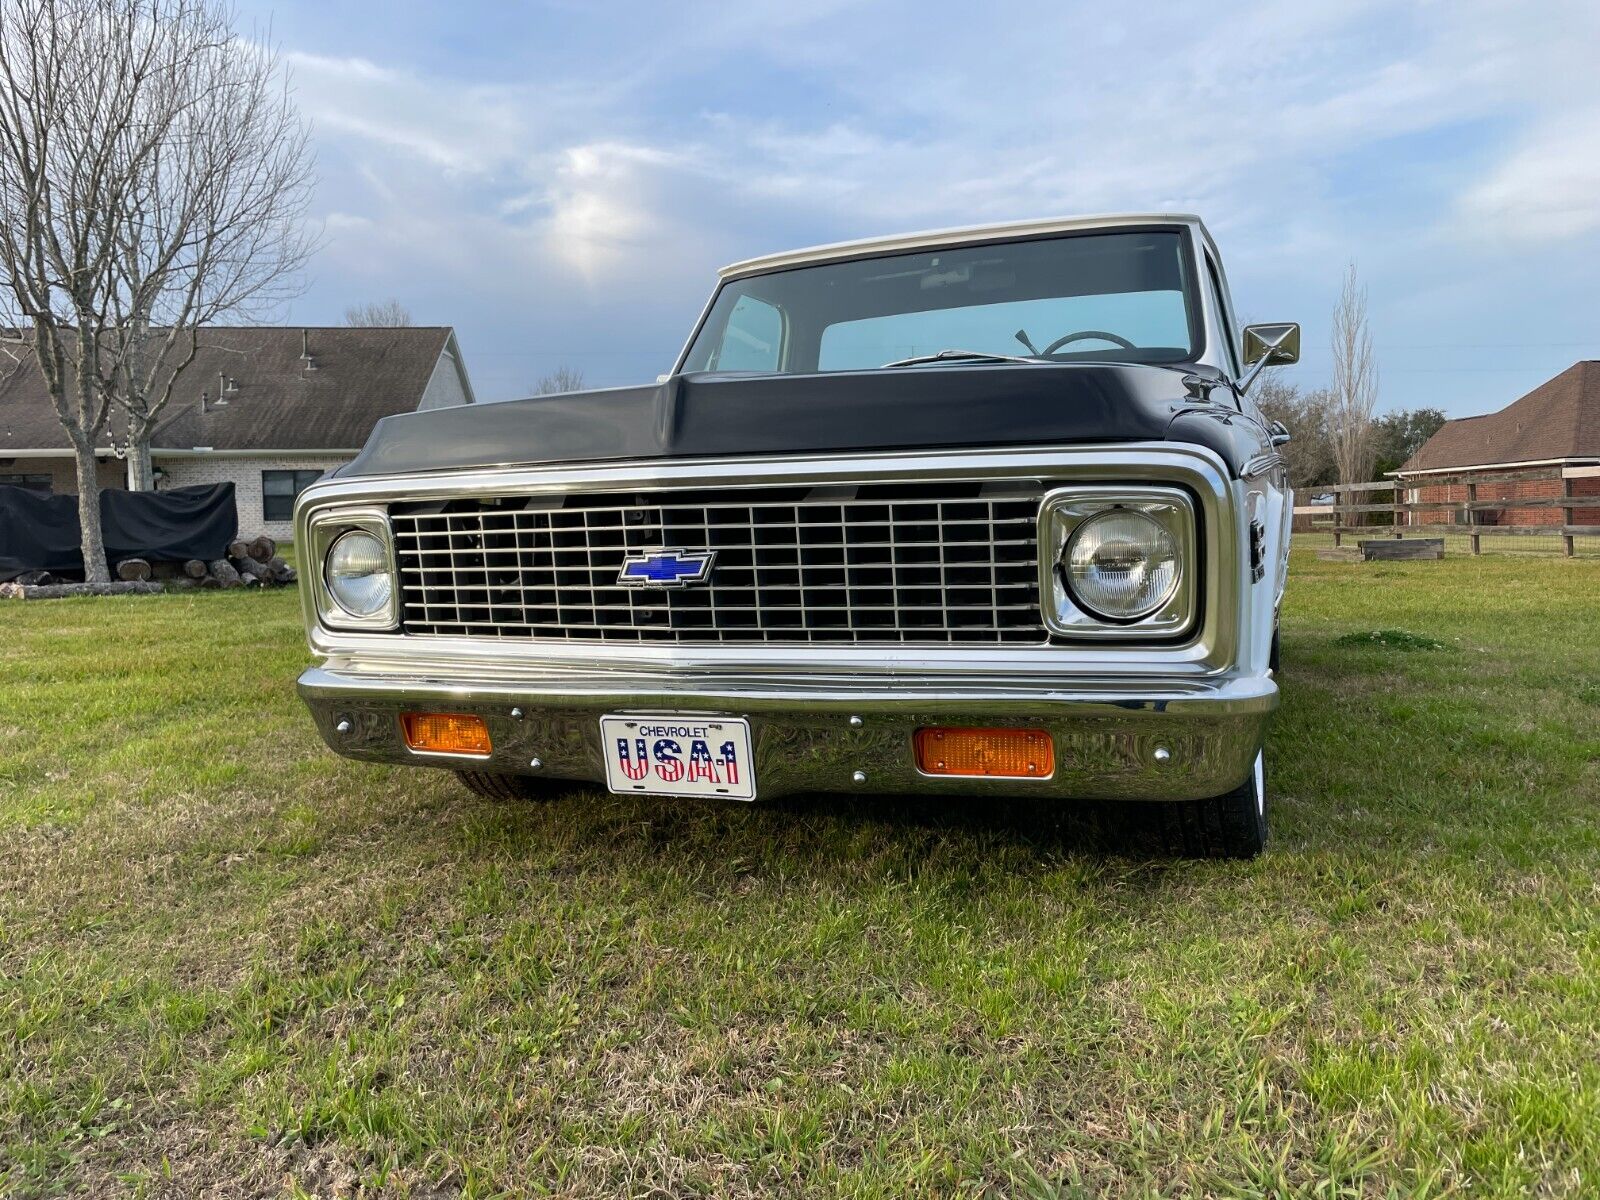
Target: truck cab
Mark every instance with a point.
(985, 511)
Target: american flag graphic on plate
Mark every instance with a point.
(677, 755)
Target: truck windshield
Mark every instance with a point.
(1122, 297)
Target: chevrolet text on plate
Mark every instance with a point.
(987, 511)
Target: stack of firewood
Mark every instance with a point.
(249, 564)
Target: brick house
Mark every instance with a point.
(1554, 430)
(270, 409)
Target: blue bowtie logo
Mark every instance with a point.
(666, 568)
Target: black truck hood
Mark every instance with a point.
(716, 415)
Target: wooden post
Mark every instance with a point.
(1338, 517)
(1399, 499)
(1566, 516)
(1472, 517)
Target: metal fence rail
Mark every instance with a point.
(1359, 508)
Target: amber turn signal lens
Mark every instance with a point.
(446, 733)
(997, 753)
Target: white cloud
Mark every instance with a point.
(454, 127)
(1038, 115)
(599, 215)
(1548, 189)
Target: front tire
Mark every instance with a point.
(494, 786)
(1228, 826)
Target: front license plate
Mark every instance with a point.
(678, 756)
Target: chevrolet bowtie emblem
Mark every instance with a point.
(666, 568)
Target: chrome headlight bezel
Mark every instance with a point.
(328, 527)
(1063, 512)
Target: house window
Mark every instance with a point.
(39, 483)
(278, 490)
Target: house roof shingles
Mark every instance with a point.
(1558, 420)
(361, 375)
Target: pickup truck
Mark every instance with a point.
(984, 512)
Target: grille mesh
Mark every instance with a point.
(949, 562)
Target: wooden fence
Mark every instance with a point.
(1470, 517)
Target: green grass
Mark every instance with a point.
(233, 964)
(1392, 639)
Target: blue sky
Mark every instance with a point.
(560, 181)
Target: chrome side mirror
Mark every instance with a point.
(1269, 346)
(1280, 344)
(1279, 432)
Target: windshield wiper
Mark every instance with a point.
(958, 356)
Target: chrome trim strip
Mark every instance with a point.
(676, 691)
(1260, 465)
(459, 756)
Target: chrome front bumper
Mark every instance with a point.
(820, 733)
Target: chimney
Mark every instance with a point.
(305, 350)
(221, 382)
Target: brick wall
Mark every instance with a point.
(245, 475)
(1511, 491)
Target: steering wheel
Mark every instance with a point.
(1084, 335)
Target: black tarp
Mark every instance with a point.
(39, 531)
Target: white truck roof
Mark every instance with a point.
(962, 235)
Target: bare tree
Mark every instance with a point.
(70, 123)
(376, 314)
(1355, 384)
(562, 379)
(213, 225)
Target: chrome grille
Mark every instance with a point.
(937, 563)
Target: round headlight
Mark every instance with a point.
(1121, 565)
(358, 574)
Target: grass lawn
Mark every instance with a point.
(232, 964)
